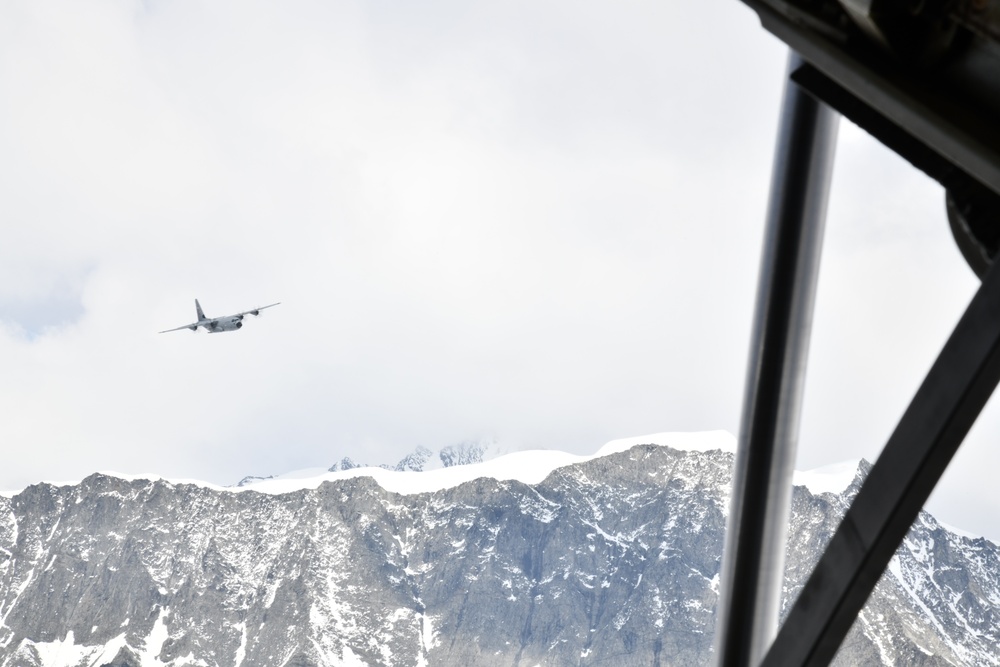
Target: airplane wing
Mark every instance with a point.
(256, 311)
(193, 326)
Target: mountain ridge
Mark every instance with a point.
(610, 559)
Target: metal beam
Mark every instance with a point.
(753, 558)
(954, 115)
(943, 410)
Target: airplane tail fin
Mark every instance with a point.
(201, 314)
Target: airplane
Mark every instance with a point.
(218, 324)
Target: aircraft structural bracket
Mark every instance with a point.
(941, 413)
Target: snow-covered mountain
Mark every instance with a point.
(419, 460)
(422, 458)
(534, 558)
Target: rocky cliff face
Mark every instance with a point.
(610, 561)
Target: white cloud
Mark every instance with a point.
(539, 221)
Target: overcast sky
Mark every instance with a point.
(536, 222)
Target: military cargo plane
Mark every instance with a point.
(218, 324)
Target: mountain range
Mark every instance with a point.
(533, 558)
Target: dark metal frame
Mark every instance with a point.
(952, 140)
(930, 432)
(939, 113)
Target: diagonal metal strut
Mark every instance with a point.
(941, 413)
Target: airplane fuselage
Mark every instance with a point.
(219, 324)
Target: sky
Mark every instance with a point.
(531, 222)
